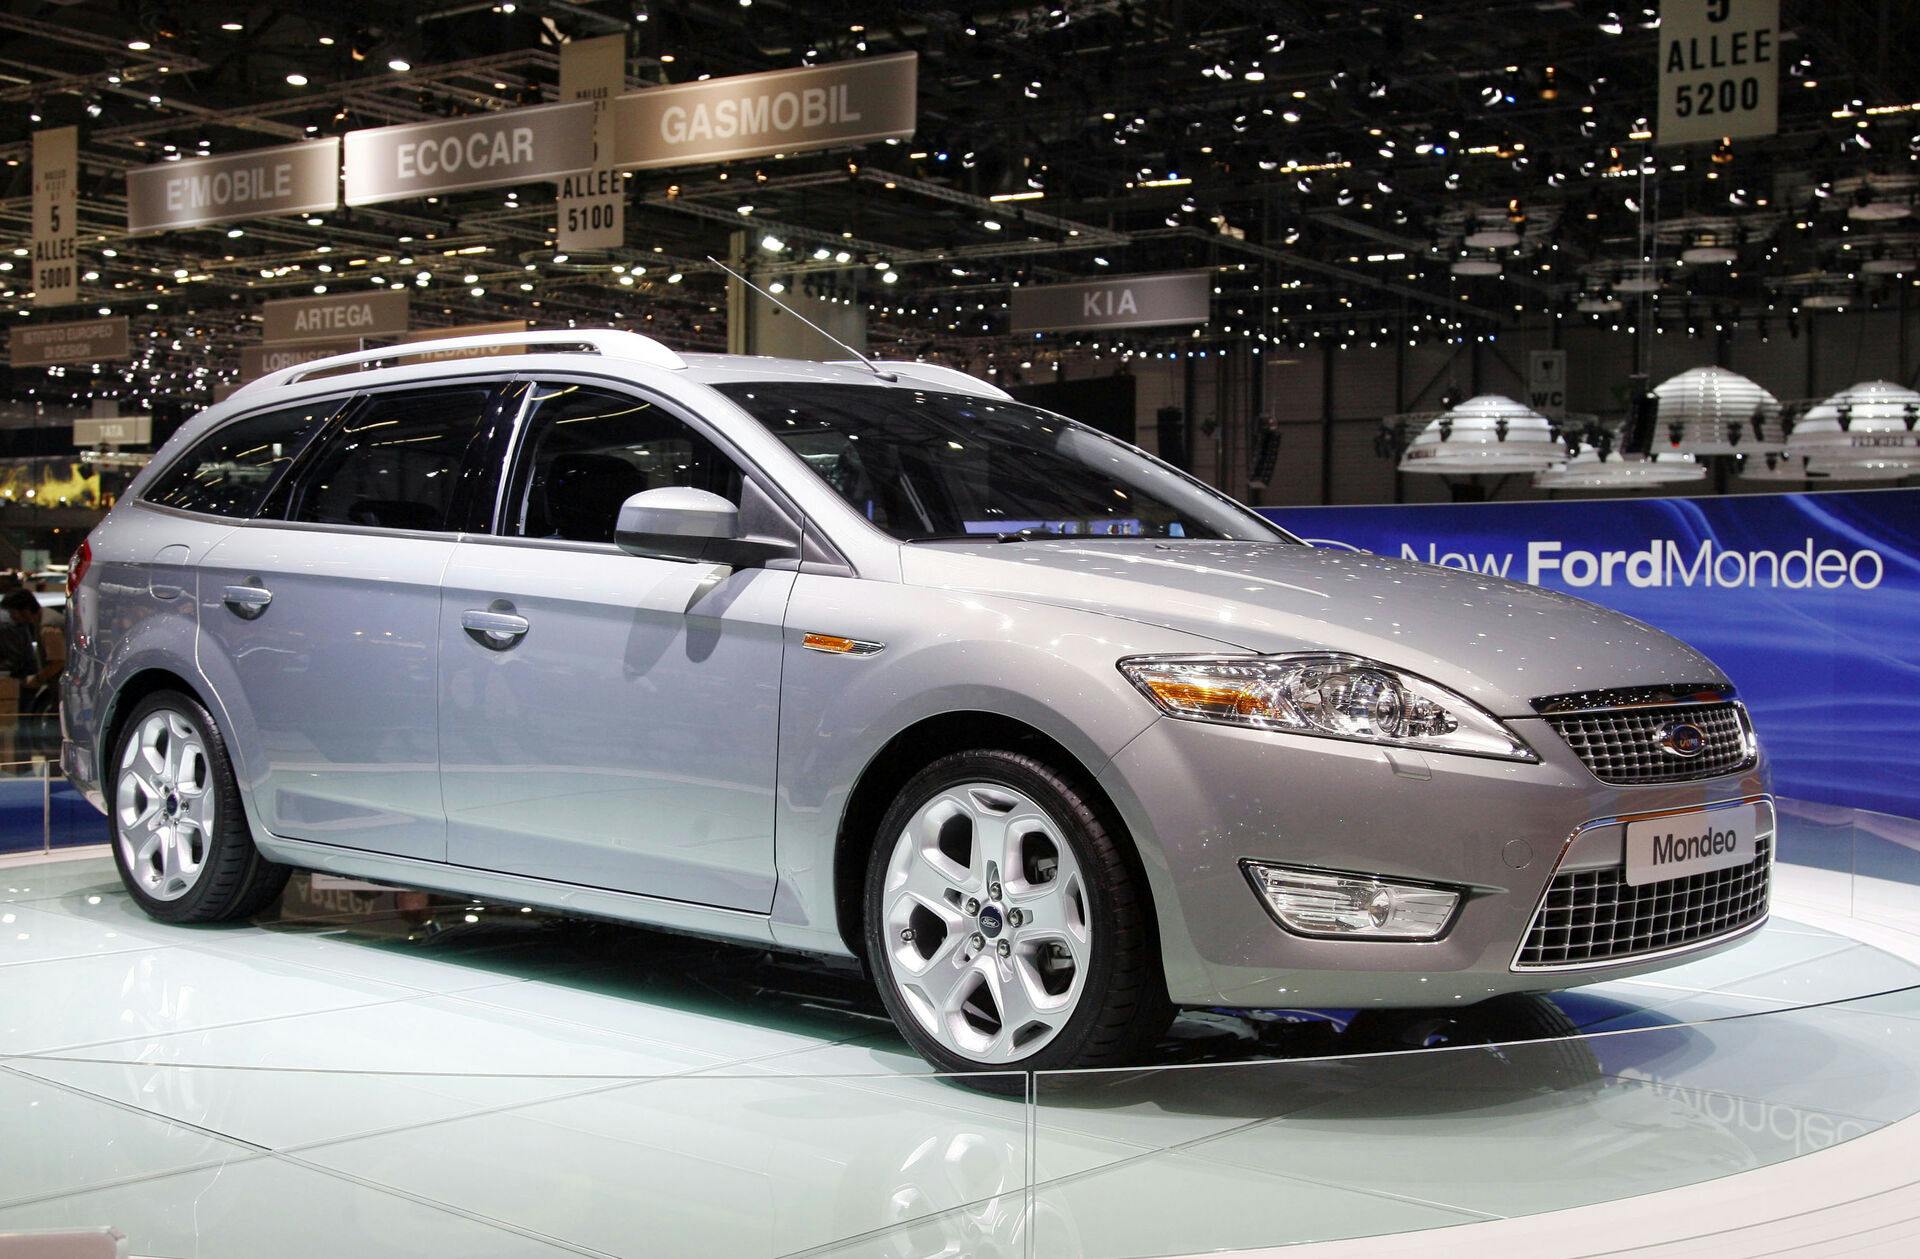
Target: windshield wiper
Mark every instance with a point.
(1018, 535)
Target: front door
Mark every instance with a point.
(326, 623)
(607, 720)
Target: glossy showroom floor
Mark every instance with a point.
(367, 1074)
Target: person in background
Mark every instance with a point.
(38, 673)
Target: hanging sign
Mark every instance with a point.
(1125, 301)
(88, 341)
(592, 203)
(56, 169)
(116, 430)
(499, 328)
(1547, 382)
(258, 360)
(1719, 70)
(380, 313)
(780, 111)
(514, 146)
(286, 179)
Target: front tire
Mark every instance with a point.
(1004, 926)
(179, 836)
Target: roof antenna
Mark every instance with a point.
(868, 363)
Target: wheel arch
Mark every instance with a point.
(127, 697)
(919, 745)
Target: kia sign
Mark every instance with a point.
(780, 111)
(514, 146)
(1125, 301)
(289, 179)
(1809, 602)
(335, 315)
(1719, 70)
(51, 344)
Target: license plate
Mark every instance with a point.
(1680, 844)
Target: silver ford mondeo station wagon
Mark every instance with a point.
(875, 661)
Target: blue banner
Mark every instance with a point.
(1809, 602)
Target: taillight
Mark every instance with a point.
(78, 568)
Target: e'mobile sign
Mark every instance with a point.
(1809, 602)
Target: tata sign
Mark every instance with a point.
(780, 111)
(50, 344)
(117, 430)
(1809, 602)
(1125, 301)
(290, 179)
(335, 316)
(514, 146)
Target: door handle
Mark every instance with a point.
(247, 602)
(496, 631)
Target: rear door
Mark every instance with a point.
(608, 720)
(326, 619)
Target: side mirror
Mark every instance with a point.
(693, 526)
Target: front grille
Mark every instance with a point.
(1592, 916)
(1624, 745)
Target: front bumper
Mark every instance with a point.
(1201, 798)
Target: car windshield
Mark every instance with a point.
(926, 466)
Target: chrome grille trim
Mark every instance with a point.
(1625, 745)
(1612, 698)
(1592, 918)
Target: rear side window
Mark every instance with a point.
(230, 471)
(396, 463)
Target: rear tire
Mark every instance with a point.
(179, 836)
(1005, 928)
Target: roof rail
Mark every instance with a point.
(934, 374)
(610, 342)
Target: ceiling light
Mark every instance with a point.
(139, 45)
(399, 65)
(233, 26)
(297, 80)
(772, 244)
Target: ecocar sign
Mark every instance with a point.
(1809, 602)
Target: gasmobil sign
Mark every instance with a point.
(1809, 602)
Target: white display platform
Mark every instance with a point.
(373, 1074)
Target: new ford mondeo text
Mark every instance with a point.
(877, 661)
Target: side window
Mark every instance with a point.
(230, 471)
(586, 451)
(396, 463)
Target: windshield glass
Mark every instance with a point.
(927, 466)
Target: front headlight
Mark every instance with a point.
(1321, 693)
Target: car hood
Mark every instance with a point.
(1498, 642)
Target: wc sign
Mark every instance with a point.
(1547, 382)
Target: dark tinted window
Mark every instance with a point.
(925, 466)
(395, 463)
(230, 471)
(588, 450)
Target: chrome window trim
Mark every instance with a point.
(1772, 832)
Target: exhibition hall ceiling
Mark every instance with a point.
(1333, 166)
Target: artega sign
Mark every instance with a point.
(1125, 301)
(341, 315)
(781, 111)
(514, 146)
(288, 179)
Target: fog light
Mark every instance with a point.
(1315, 903)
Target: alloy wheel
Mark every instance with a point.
(988, 922)
(164, 805)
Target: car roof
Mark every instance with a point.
(735, 369)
